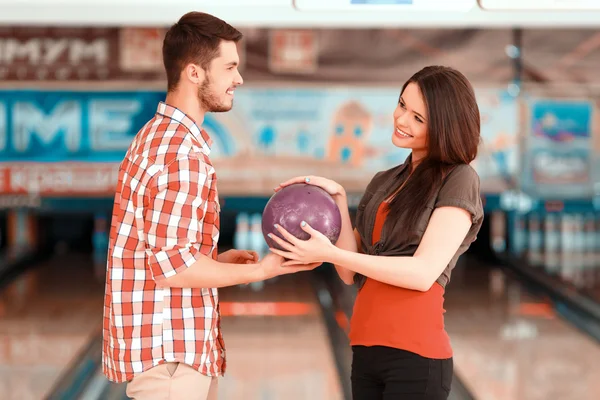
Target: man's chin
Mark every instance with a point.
(222, 108)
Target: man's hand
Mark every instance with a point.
(235, 256)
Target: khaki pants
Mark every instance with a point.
(172, 381)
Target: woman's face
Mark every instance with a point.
(410, 122)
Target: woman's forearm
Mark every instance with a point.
(406, 272)
(438, 246)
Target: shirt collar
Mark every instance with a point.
(406, 165)
(187, 121)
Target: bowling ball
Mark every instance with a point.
(301, 202)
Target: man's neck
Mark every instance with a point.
(188, 104)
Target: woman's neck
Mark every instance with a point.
(415, 160)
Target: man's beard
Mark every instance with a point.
(209, 101)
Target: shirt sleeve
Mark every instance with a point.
(174, 216)
(461, 188)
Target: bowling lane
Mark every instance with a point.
(512, 344)
(277, 343)
(47, 316)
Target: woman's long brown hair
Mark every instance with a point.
(452, 138)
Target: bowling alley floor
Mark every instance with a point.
(277, 343)
(509, 344)
(512, 345)
(47, 316)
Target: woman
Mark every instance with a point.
(412, 224)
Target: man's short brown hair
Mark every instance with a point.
(195, 38)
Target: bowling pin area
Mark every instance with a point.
(556, 244)
(565, 246)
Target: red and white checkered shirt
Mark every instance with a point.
(166, 213)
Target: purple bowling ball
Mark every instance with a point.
(301, 202)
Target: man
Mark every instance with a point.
(161, 313)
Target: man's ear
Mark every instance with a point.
(194, 73)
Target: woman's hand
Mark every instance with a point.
(314, 250)
(331, 187)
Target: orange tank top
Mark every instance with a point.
(386, 315)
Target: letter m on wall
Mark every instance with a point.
(30, 121)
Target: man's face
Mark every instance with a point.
(215, 93)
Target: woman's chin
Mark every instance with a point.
(401, 143)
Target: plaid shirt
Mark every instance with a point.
(166, 213)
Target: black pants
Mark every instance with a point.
(386, 373)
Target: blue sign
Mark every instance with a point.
(272, 133)
(71, 126)
(558, 148)
(561, 121)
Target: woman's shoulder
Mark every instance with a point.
(462, 174)
(461, 189)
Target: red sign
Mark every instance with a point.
(57, 179)
(57, 53)
(80, 54)
(141, 49)
(293, 51)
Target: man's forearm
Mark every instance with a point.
(208, 273)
